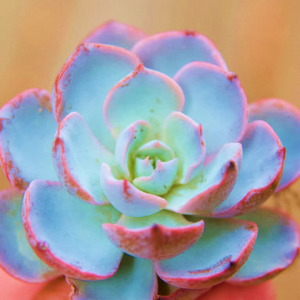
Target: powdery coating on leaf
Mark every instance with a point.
(26, 133)
(135, 279)
(77, 249)
(84, 81)
(152, 240)
(186, 139)
(144, 94)
(16, 256)
(116, 34)
(276, 248)
(167, 52)
(211, 187)
(260, 174)
(65, 175)
(285, 120)
(77, 156)
(223, 248)
(127, 198)
(216, 99)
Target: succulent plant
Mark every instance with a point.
(144, 162)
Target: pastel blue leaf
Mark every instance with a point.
(78, 155)
(167, 52)
(158, 236)
(135, 279)
(223, 248)
(186, 139)
(126, 198)
(163, 217)
(214, 98)
(277, 246)
(211, 187)
(285, 120)
(262, 167)
(26, 136)
(84, 81)
(116, 34)
(161, 180)
(16, 256)
(143, 95)
(66, 233)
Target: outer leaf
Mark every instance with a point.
(16, 256)
(285, 120)
(159, 236)
(126, 198)
(116, 34)
(221, 251)
(78, 155)
(211, 187)
(167, 52)
(27, 128)
(144, 94)
(135, 279)
(277, 246)
(66, 232)
(84, 81)
(215, 99)
(260, 174)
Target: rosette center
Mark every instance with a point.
(155, 167)
(149, 164)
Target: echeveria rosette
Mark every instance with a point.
(143, 162)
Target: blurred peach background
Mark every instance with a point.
(259, 39)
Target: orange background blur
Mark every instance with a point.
(259, 39)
